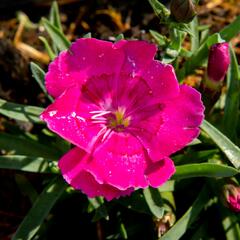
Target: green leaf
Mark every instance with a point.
(174, 46)
(57, 37)
(231, 110)
(135, 202)
(20, 112)
(167, 187)
(230, 224)
(194, 156)
(231, 30)
(202, 231)
(204, 170)
(201, 55)
(183, 27)
(21, 146)
(26, 187)
(154, 201)
(123, 231)
(195, 36)
(25, 163)
(159, 38)
(181, 226)
(39, 211)
(160, 10)
(225, 144)
(54, 17)
(97, 203)
(50, 52)
(39, 76)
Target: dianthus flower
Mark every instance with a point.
(125, 113)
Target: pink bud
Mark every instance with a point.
(231, 197)
(218, 62)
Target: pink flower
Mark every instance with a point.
(231, 198)
(124, 111)
(218, 62)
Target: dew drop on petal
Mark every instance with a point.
(132, 62)
(73, 114)
(52, 113)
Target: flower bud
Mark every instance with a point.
(231, 197)
(182, 10)
(165, 223)
(218, 62)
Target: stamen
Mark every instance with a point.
(99, 113)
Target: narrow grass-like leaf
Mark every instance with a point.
(225, 144)
(123, 231)
(20, 112)
(204, 170)
(230, 224)
(135, 202)
(231, 30)
(183, 27)
(160, 10)
(26, 187)
(39, 76)
(159, 38)
(174, 46)
(21, 146)
(195, 37)
(201, 54)
(231, 110)
(57, 37)
(54, 16)
(97, 203)
(202, 231)
(154, 201)
(192, 156)
(25, 163)
(41, 208)
(50, 52)
(167, 186)
(181, 226)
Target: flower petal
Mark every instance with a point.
(86, 57)
(72, 166)
(162, 80)
(173, 126)
(69, 116)
(159, 172)
(122, 162)
(119, 161)
(138, 54)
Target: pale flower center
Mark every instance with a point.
(117, 120)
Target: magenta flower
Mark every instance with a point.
(218, 62)
(231, 197)
(124, 111)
